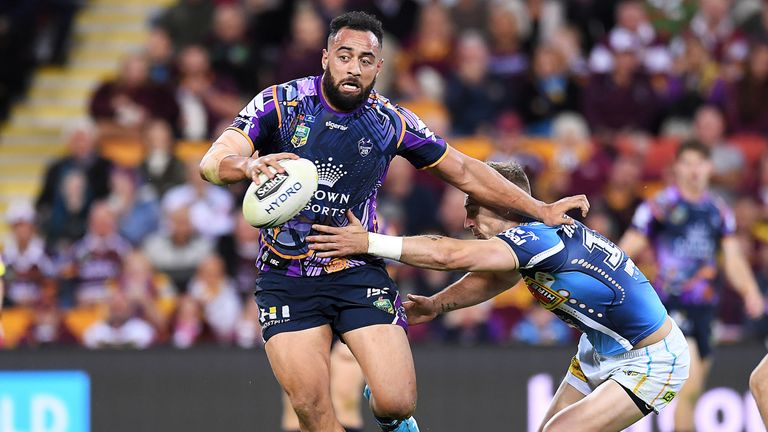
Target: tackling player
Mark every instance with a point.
(687, 226)
(632, 358)
(351, 133)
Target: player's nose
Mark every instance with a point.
(469, 223)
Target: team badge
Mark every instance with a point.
(385, 305)
(668, 396)
(300, 135)
(364, 146)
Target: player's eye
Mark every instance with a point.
(367, 62)
(344, 58)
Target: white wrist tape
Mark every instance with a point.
(385, 246)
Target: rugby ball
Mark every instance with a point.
(274, 201)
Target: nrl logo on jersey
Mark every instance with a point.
(364, 146)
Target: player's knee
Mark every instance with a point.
(395, 407)
(308, 406)
(758, 382)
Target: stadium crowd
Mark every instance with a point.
(590, 96)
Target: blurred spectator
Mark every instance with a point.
(17, 37)
(696, 80)
(122, 106)
(300, 56)
(670, 19)
(159, 53)
(621, 195)
(469, 15)
(746, 98)
(540, 327)
(398, 17)
(756, 26)
(47, 327)
(188, 325)
(217, 297)
(546, 18)
(97, 258)
(548, 92)
(431, 47)
(188, 22)
(178, 251)
(54, 36)
(231, 52)
(472, 96)
(714, 27)
(161, 169)
(761, 189)
(248, 330)
(566, 40)
(121, 328)
(205, 99)
(152, 295)
(136, 206)
(593, 19)
(330, 9)
(727, 160)
(405, 203)
(240, 251)
(508, 59)
(29, 271)
(210, 206)
(622, 99)
(632, 22)
(66, 220)
(599, 220)
(59, 197)
(510, 145)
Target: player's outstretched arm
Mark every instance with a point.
(229, 160)
(428, 251)
(489, 188)
(740, 276)
(472, 289)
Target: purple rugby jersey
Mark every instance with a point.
(352, 152)
(686, 238)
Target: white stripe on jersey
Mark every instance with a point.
(589, 322)
(541, 256)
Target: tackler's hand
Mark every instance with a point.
(555, 214)
(339, 241)
(419, 309)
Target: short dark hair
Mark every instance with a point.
(513, 172)
(357, 20)
(694, 146)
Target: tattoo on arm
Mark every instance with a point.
(433, 237)
(447, 307)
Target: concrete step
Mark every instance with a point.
(13, 130)
(38, 151)
(121, 36)
(22, 188)
(32, 140)
(35, 170)
(51, 100)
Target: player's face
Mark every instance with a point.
(693, 170)
(483, 223)
(350, 63)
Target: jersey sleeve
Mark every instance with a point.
(259, 119)
(419, 145)
(534, 247)
(729, 220)
(643, 218)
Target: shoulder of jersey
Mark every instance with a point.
(297, 89)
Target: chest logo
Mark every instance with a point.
(300, 136)
(364, 146)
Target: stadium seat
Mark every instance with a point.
(123, 152)
(752, 146)
(186, 150)
(16, 322)
(659, 156)
(478, 147)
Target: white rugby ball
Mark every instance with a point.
(274, 201)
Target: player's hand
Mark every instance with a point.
(754, 303)
(261, 165)
(555, 214)
(340, 241)
(419, 309)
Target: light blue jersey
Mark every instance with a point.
(588, 282)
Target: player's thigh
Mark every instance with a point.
(608, 408)
(289, 421)
(565, 396)
(300, 361)
(385, 357)
(698, 371)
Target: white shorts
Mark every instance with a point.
(654, 373)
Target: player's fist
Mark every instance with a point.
(261, 165)
(754, 303)
(420, 309)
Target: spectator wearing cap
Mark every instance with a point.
(622, 99)
(29, 271)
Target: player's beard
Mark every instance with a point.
(341, 101)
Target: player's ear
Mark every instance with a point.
(324, 60)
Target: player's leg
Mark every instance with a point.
(689, 394)
(346, 387)
(758, 383)
(608, 408)
(289, 421)
(385, 357)
(300, 361)
(565, 396)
